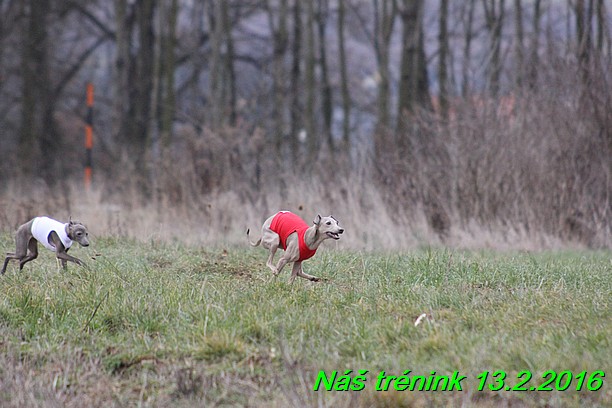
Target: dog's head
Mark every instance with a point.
(328, 226)
(78, 232)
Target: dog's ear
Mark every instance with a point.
(317, 220)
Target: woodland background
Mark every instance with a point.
(479, 123)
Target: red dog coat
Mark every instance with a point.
(286, 223)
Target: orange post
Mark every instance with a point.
(89, 135)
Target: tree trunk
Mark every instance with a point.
(467, 50)
(28, 148)
(414, 84)
(135, 81)
(296, 107)
(384, 20)
(221, 81)
(344, 85)
(326, 91)
(310, 84)
(584, 27)
(143, 83)
(494, 21)
(280, 43)
(215, 104)
(603, 30)
(230, 71)
(443, 59)
(534, 60)
(519, 51)
(123, 65)
(167, 99)
(39, 140)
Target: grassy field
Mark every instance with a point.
(150, 324)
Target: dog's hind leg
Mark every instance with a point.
(304, 275)
(270, 261)
(271, 242)
(21, 250)
(297, 267)
(9, 256)
(32, 253)
(281, 264)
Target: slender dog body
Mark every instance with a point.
(54, 235)
(299, 241)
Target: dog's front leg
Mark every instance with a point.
(63, 257)
(61, 252)
(32, 253)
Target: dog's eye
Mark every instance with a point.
(328, 223)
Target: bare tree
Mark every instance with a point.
(584, 13)
(383, 15)
(468, 8)
(222, 92)
(38, 133)
(135, 80)
(414, 83)
(277, 20)
(32, 57)
(167, 61)
(310, 83)
(443, 42)
(494, 11)
(534, 61)
(384, 20)
(519, 51)
(344, 78)
(123, 24)
(604, 42)
(296, 57)
(141, 84)
(326, 89)
(230, 69)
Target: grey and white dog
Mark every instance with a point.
(54, 235)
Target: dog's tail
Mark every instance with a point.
(251, 242)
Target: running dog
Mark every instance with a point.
(54, 235)
(296, 238)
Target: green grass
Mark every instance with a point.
(168, 325)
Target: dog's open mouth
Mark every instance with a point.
(333, 235)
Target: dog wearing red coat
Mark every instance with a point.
(299, 241)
